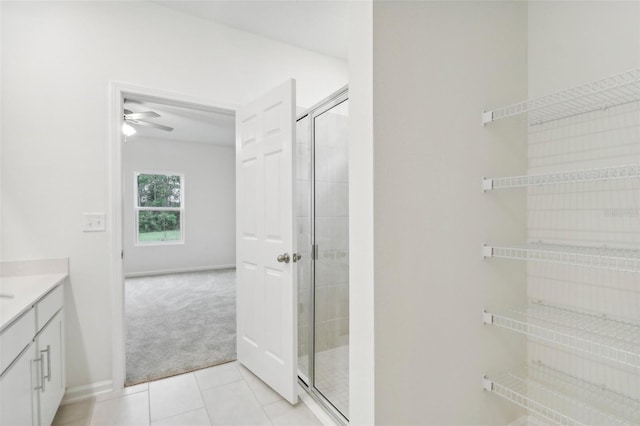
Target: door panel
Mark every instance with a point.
(50, 347)
(266, 291)
(18, 400)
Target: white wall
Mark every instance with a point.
(57, 61)
(576, 42)
(361, 291)
(209, 201)
(572, 43)
(436, 66)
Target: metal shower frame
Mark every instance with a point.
(312, 113)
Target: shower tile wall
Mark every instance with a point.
(332, 230)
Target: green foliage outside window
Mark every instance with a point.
(159, 190)
(154, 221)
(165, 193)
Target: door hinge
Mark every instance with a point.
(314, 251)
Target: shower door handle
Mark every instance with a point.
(283, 258)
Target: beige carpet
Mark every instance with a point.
(179, 323)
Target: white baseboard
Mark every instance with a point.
(315, 408)
(79, 393)
(176, 271)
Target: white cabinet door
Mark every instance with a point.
(18, 399)
(266, 292)
(50, 348)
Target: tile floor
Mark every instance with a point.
(226, 394)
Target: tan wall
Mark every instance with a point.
(436, 66)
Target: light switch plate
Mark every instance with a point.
(93, 222)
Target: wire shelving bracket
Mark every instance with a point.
(602, 94)
(596, 334)
(587, 175)
(617, 259)
(563, 399)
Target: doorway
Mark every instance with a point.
(333, 259)
(178, 216)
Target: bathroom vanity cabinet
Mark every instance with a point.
(32, 378)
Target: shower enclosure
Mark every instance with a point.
(322, 214)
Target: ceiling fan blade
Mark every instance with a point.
(137, 115)
(149, 124)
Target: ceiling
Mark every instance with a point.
(189, 125)
(316, 25)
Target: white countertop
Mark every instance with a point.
(27, 290)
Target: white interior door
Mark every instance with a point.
(266, 292)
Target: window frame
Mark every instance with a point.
(137, 209)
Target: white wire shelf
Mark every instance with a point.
(602, 94)
(563, 399)
(617, 259)
(587, 175)
(596, 334)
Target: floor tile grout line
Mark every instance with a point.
(242, 379)
(93, 406)
(198, 391)
(206, 409)
(186, 412)
(202, 397)
(93, 401)
(219, 385)
(149, 403)
(256, 397)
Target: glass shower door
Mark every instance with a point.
(331, 272)
(322, 232)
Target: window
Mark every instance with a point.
(159, 208)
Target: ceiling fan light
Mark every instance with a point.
(127, 129)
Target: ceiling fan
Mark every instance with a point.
(138, 119)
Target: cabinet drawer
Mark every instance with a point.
(49, 305)
(16, 337)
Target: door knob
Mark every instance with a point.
(284, 258)
(296, 257)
